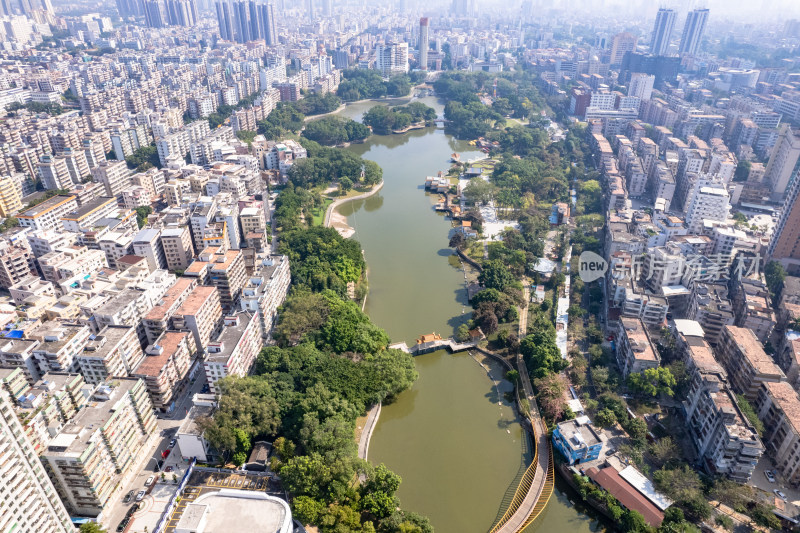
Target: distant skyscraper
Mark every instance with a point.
(693, 31)
(242, 22)
(327, 8)
(662, 31)
(254, 20)
(154, 14)
(310, 8)
(423, 43)
(621, 43)
(225, 16)
(269, 31)
(30, 502)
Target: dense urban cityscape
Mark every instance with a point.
(399, 267)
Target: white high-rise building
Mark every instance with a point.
(662, 31)
(423, 43)
(28, 500)
(708, 201)
(391, 58)
(641, 86)
(783, 161)
(693, 31)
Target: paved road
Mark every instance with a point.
(523, 312)
(167, 428)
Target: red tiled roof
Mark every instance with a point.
(609, 479)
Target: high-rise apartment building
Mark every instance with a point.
(28, 500)
(10, 198)
(662, 31)
(423, 43)
(90, 455)
(245, 20)
(785, 243)
(620, 45)
(783, 161)
(114, 175)
(693, 31)
(391, 58)
(641, 86)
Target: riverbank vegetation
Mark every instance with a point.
(383, 119)
(358, 84)
(334, 130)
(324, 165)
(329, 365)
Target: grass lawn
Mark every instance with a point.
(319, 212)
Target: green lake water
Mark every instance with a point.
(452, 437)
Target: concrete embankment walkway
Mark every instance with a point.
(342, 201)
(369, 426)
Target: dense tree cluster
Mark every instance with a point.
(284, 119)
(324, 164)
(383, 119)
(330, 364)
(35, 107)
(144, 158)
(322, 259)
(358, 84)
(317, 104)
(333, 130)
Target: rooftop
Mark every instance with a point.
(785, 397)
(578, 435)
(195, 301)
(609, 479)
(90, 207)
(152, 365)
(73, 439)
(47, 205)
(225, 511)
(750, 347)
(638, 339)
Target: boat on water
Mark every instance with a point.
(455, 158)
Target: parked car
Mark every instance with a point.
(770, 475)
(168, 469)
(165, 453)
(172, 443)
(128, 496)
(135, 507)
(149, 481)
(122, 525)
(140, 495)
(780, 494)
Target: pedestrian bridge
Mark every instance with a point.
(537, 483)
(431, 343)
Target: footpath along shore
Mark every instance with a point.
(339, 221)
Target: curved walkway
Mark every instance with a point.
(366, 434)
(342, 201)
(537, 483)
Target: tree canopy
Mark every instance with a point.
(333, 130)
(358, 84)
(322, 259)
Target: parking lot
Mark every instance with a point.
(204, 482)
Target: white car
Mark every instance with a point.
(140, 495)
(149, 481)
(780, 494)
(769, 475)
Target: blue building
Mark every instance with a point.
(577, 441)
